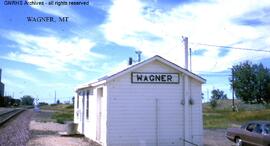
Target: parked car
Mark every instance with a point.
(255, 133)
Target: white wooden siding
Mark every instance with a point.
(196, 113)
(144, 114)
(90, 124)
(76, 114)
(132, 111)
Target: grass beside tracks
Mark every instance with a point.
(223, 116)
(62, 112)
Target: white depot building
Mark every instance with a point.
(151, 103)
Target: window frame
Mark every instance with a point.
(87, 104)
(78, 100)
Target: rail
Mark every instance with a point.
(5, 116)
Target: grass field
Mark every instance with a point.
(62, 112)
(224, 117)
(220, 117)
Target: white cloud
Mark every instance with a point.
(79, 76)
(52, 53)
(211, 23)
(112, 69)
(21, 75)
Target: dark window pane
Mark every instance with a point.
(251, 127)
(258, 129)
(267, 129)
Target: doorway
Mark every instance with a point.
(82, 113)
(99, 113)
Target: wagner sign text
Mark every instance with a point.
(167, 78)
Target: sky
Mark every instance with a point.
(44, 58)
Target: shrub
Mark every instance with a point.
(213, 103)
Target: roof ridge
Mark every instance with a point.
(156, 57)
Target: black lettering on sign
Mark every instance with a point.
(145, 78)
(157, 77)
(139, 77)
(169, 78)
(163, 78)
(152, 78)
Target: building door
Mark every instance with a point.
(168, 121)
(99, 113)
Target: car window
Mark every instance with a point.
(251, 127)
(243, 126)
(258, 129)
(267, 129)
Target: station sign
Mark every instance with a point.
(159, 78)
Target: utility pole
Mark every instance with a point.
(54, 96)
(233, 107)
(208, 94)
(190, 68)
(186, 95)
(185, 39)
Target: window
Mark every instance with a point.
(251, 127)
(258, 129)
(267, 129)
(100, 92)
(87, 104)
(78, 99)
(91, 91)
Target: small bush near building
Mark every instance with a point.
(70, 107)
(43, 103)
(62, 117)
(213, 103)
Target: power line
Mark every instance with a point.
(224, 75)
(238, 48)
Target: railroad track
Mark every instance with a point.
(5, 116)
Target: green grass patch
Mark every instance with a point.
(215, 120)
(62, 112)
(224, 117)
(59, 107)
(70, 107)
(62, 117)
(244, 116)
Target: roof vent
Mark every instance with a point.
(130, 60)
(139, 55)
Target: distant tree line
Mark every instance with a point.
(8, 101)
(251, 82)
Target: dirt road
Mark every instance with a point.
(216, 137)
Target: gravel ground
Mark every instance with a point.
(16, 132)
(216, 137)
(44, 132)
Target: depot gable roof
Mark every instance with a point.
(138, 65)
